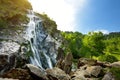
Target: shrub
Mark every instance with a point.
(108, 58)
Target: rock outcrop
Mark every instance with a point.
(8, 52)
(65, 64)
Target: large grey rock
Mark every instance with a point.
(37, 71)
(57, 74)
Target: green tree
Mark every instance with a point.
(93, 42)
(73, 41)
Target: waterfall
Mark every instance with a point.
(42, 44)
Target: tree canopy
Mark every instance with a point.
(104, 47)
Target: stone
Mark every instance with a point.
(108, 76)
(57, 74)
(37, 71)
(94, 70)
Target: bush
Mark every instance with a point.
(108, 58)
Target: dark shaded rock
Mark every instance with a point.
(7, 62)
(57, 74)
(65, 64)
(60, 55)
(36, 72)
(18, 73)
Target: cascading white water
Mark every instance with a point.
(42, 48)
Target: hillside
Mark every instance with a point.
(96, 45)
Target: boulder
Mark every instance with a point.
(57, 74)
(94, 70)
(108, 76)
(37, 72)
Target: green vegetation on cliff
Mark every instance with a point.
(93, 45)
(13, 12)
(49, 25)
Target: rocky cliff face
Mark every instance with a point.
(43, 45)
(31, 43)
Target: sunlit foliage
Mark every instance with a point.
(93, 45)
(13, 12)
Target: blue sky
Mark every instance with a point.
(99, 15)
(81, 15)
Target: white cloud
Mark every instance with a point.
(103, 31)
(62, 11)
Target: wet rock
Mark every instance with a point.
(20, 74)
(37, 72)
(108, 76)
(57, 74)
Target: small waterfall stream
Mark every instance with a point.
(42, 44)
